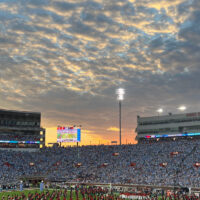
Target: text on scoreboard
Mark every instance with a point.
(68, 134)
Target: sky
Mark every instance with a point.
(66, 58)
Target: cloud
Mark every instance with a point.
(64, 6)
(113, 129)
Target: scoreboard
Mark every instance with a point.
(68, 134)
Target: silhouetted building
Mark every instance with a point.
(20, 129)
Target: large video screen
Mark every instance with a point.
(68, 134)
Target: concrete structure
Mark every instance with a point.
(168, 126)
(20, 129)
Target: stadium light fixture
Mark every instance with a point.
(160, 110)
(120, 97)
(182, 108)
(120, 94)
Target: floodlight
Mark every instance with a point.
(120, 94)
(160, 110)
(182, 108)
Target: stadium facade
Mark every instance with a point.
(168, 126)
(21, 129)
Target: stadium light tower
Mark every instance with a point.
(120, 97)
(182, 108)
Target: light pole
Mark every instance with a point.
(120, 97)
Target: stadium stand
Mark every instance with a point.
(168, 163)
(21, 129)
(168, 126)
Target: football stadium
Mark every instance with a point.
(99, 99)
(164, 164)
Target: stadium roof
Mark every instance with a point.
(17, 111)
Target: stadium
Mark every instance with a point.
(164, 163)
(99, 99)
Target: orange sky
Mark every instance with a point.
(89, 138)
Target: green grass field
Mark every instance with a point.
(26, 192)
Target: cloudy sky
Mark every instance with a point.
(66, 59)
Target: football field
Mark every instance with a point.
(58, 193)
(7, 194)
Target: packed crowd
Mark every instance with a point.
(166, 163)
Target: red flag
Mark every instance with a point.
(174, 153)
(78, 165)
(197, 165)
(164, 164)
(7, 164)
(133, 164)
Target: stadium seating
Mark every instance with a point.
(144, 163)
